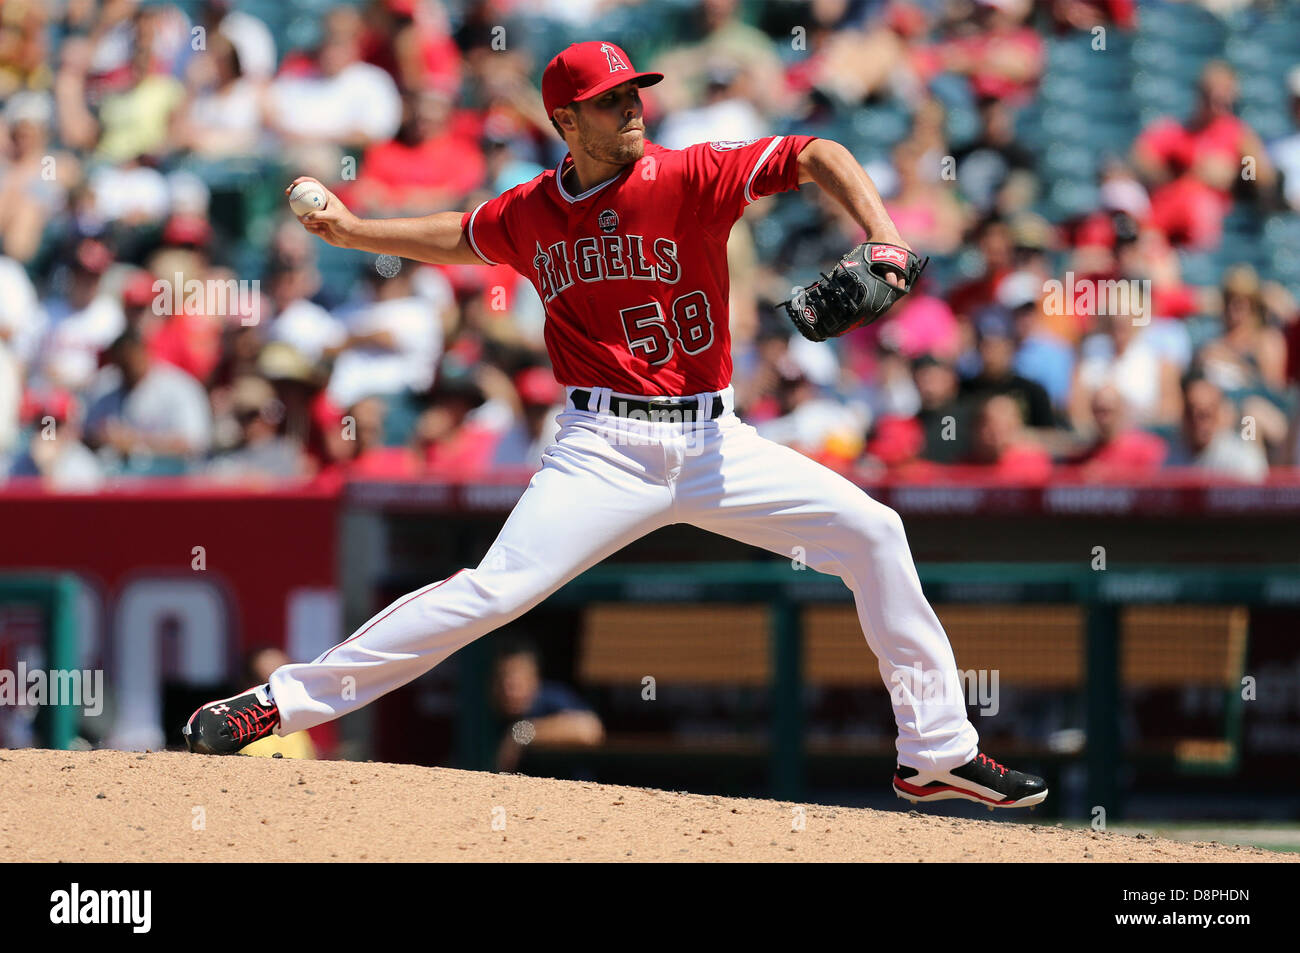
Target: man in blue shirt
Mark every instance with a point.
(534, 711)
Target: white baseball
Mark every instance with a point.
(306, 197)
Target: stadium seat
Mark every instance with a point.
(1243, 239)
(1283, 232)
(399, 420)
(1201, 329)
(1065, 92)
(275, 14)
(542, 37)
(644, 30)
(942, 271)
(1115, 138)
(1070, 55)
(879, 125)
(1075, 59)
(1247, 52)
(1067, 199)
(1070, 163)
(1029, 126)
(1270, 122)
(769, 235)
(961, 124)
(303, 33)
(1284, 267)
(1261, 89)
(1064, 127)
(1186, 25)
(339, 269)
(1201, 268)
(1162, 94)
(1168, 60)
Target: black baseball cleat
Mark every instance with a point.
(229, 724)
(981, 780)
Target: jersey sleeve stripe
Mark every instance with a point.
(469, 231)
(771, 147)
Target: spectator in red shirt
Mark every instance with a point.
(851, 63)
(1003, 58)
(1086, 14)
(1193, 168)
(1119, 450)
(411, 41)
(64, 463)
(452, 446)
(998, 443)
(1125, 208)
(427, 167)
(188, 337)
(940, 430)
(181, 339)
(996, 243)
(374, 461)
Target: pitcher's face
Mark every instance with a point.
(610, 126)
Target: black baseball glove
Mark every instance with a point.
(855, 293)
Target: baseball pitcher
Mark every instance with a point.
(625, 243)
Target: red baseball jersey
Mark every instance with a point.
(633, 272)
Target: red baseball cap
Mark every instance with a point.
(537, 385)
(138, 290)
(55, 403)
(588, 69)
(185, 229)
(94, 257)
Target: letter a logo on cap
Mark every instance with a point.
(615, 60)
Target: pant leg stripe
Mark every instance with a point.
(409, 599)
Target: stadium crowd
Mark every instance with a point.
(1113, 293)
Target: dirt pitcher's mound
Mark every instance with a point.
(112, 805)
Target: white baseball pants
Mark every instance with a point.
(609, 480)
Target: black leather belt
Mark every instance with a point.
(663, 410)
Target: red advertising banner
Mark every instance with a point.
(180, 583)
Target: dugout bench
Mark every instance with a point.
(1053, 628)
